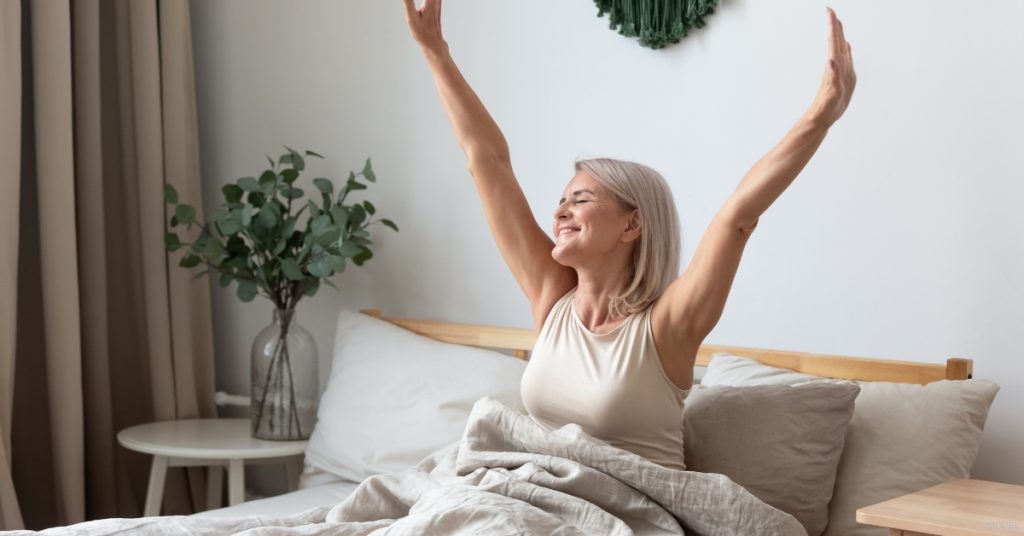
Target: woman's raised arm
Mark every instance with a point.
(523, 244)
(476, 131)
(691, 306)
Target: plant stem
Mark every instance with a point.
(266, 383)
(294, 410)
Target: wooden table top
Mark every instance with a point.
(955, 508)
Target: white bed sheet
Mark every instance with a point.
(289, 503)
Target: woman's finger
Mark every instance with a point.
(410, 7)
(842, 31)
(831, 33)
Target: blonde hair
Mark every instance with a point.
(656, 258)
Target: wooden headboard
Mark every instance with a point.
(521, 341)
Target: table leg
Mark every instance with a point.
(155, 493)
(236, 482)
(214, 486)
(291, 471)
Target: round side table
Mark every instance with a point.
(213, 443)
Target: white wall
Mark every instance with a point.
(901, 239)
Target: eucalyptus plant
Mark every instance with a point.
(255, 239)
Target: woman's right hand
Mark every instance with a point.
(425, 22)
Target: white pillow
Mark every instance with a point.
(902, 437)
(393, 397)
(728, 369)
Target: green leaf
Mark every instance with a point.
(370, 209)
(324, 185)
(236, 246)
(297, 162)
(185, 214)
(356, 215)
(309, 287)
(340, 216)
(362, 233)
(268, 181)
(232, 193)
(319, 224)
(266, 217)
(362, 257)
(328, 281)
(290, 269)
(289, 176)
(320, 267)
(291, 192)
(170, 195)
(280, 245)
(171, 241)
(289, 226)
(200, 244)
(361, 241)
(353, 186)
(389, 223)
(329, 237)
(226, 279)
(368, 172)
(189, 261)
(337, 263)
(229, 227)
(249, 184)
(311, 153)
(286, 158)
(214, 250)
(257, 199)
(238, 263)
(247, 215)
(174, 221)
(314, 210)
(271, 160)
(349, 249)
(247, 290)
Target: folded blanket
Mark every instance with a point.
(510, 475)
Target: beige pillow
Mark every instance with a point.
(902, 437)
(779, 442)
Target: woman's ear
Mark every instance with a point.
(634, 228)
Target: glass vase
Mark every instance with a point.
(285, 383)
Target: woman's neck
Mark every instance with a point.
(594, 294)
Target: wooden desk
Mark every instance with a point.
(954, 508)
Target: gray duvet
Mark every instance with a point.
(509, 475)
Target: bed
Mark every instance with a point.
(421, 431)
(731, 367)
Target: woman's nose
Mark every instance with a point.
(561, 211)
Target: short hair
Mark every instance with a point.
(656, 258)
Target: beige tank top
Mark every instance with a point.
(611, 384)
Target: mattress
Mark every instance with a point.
(289, 503)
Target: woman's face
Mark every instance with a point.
(589, 224)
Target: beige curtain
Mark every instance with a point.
(99, 327)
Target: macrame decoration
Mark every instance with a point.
(655, 22)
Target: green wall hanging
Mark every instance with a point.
(656, 22)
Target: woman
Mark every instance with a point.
(619, 332)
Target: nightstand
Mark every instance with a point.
(954, 508)
(213, 443)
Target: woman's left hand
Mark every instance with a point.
(837, 85)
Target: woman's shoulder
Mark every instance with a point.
(557, 306)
